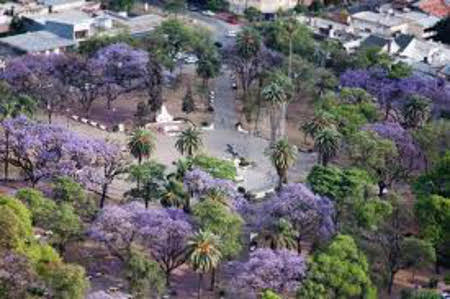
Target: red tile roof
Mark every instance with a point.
(438, 8)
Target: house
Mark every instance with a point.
(34, 42)
(264, 6)
(390, 22)
(379, 23)
(444, 72)
(437, 8)
(70, 24)
(425, 56)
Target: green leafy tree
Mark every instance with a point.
(279, 235)
(189, 141)
(340, 270)
(327, 143)
(321, 120)
(375, 155)
(227, 225)
(417, 253)
(437, 180)
(282, 156)
(95, 43)
(268, 294)
(175, 6)
(208, 64)
(433, 213)
(66, 281)
(416, 111)
(204, 254)
(434, 139)
(151, 176)
(146, 278)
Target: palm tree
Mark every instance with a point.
(283, 156)
(141, 144)
(320, 121)
(174, 195)
(204, 254)
(189, 141)
(327, 143)
(216, 195)
(280, 235)
(13, 106)
(248, 43)
(416, 111)
(277, 94)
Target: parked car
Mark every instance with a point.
(232, 33)
(193, 8)
(191, 59)
(208, 13)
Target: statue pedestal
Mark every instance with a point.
(164, 116)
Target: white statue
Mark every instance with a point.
(164, 116)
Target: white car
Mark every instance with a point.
(232, 33)
(191, 59)
(208, 13)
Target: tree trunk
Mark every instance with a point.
(104, 192)
(213, 279)
(436, 265)
(167, 274)
(299, 246)
(391, 282)
(199, 290)
(381, 188)
(283, 118)
(6, 161)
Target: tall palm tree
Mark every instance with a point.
(189, 141)
(283, 156)
(416, 111)
(13, 106)
(275, 96)
(141, 144)
(204, 254)
(248, 43)
(327, 143)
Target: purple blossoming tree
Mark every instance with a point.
(163, 232)
(281, 271)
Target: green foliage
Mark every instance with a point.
(119, 5)
(204, 251)
(268, 294)
(400, 70)
(350, 117)
(174, 195)
(417, 253)
(419, 294)
(66, 281)
(252, 14)
(282, 156)
(65, 189)
(66, 225)
(339, 271)
(95, 43)
(146, 278)
(437, 180)
(372, 57)
(218, 168)
(15, 224)
(42, 209)
(352, 191)
(248, 43)
(279, 33)
(218, 219)
(189, 141)
(434, 139)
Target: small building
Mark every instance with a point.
(386, 24)
(34, 42)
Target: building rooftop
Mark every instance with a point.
(36, 41)
(420, 18)
(387, 20)
(67, 17)
(374, 41)
(438, 8)
(58, 2)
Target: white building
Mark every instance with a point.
(265, 6)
